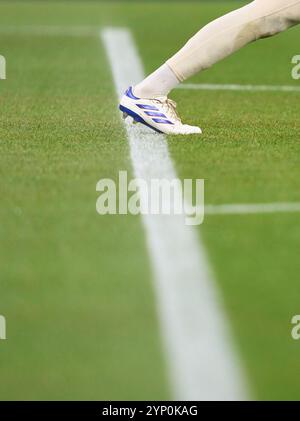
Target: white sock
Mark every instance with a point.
(159, 83)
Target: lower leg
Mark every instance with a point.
(159, 83)
(219, 39)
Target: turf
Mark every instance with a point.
(76, 288)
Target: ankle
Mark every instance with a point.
(158, 84)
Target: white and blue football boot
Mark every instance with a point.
(158, 113)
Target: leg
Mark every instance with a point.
(219, 39)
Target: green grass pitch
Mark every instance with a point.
(76, 288)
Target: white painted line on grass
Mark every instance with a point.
(48, 30)
(247, 88)
(252, 208)
(203, 364)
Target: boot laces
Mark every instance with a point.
(169, 107)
